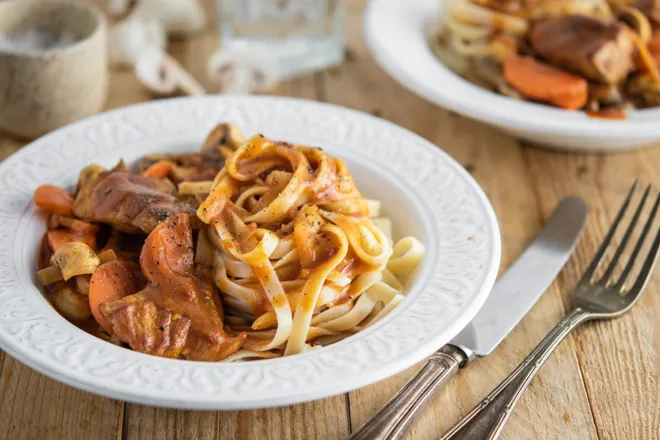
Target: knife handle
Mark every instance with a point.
(390, 422)
(486, 420)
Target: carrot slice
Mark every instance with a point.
(543, 82)
(160, 169)
(58, 237)
(54, 199)
(111, 281)
(167, 255)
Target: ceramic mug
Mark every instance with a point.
(43, 89)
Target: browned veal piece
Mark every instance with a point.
(177, 313)
(600, 50)
(129, 202)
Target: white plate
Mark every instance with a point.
(423, 190)
(397, 34)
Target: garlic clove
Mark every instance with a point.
(164, 76)
(179, 17)
(130, 37)
(242, 70)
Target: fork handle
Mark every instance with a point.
(486, 420)
(390, 421)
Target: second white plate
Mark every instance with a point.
(397, 33)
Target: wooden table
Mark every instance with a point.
(602, 383)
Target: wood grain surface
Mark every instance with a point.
(602, 382)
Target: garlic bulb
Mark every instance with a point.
(244, 70)
(179, 17)
(130, 37)
(163, 75)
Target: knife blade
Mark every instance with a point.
(518, 289)
(513, 295)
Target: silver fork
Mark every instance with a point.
(593, 299)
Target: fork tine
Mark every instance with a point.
(633, 222)
(595, 262)
(638, 246)
(647, 268)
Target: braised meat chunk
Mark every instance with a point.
(599, 50)
(148, 328)
(178, 312)
(128, 202)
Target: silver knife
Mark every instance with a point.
(512, 297)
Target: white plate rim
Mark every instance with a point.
(82, 361)
(395, 33)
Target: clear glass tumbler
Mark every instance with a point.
(302, 36)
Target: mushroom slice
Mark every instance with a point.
(129, 38)
(164, 76)
(75, 258)
(88, 174)
(239, 70)
(223, 140)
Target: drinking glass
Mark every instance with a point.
(302, 36)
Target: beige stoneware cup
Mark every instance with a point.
(41, 90)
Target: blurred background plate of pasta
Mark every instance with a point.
(403, 39)
(423, 192)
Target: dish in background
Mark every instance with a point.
(599, 56)
(398, 34)
(249, 249)
(427, 195)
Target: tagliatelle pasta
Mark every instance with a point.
(296, 248)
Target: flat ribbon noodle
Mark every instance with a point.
(295, 247)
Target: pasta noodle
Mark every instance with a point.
(298, 247)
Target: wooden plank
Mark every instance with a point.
(619, 358)
(33, 406)
(556, 405)
(316, 420)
